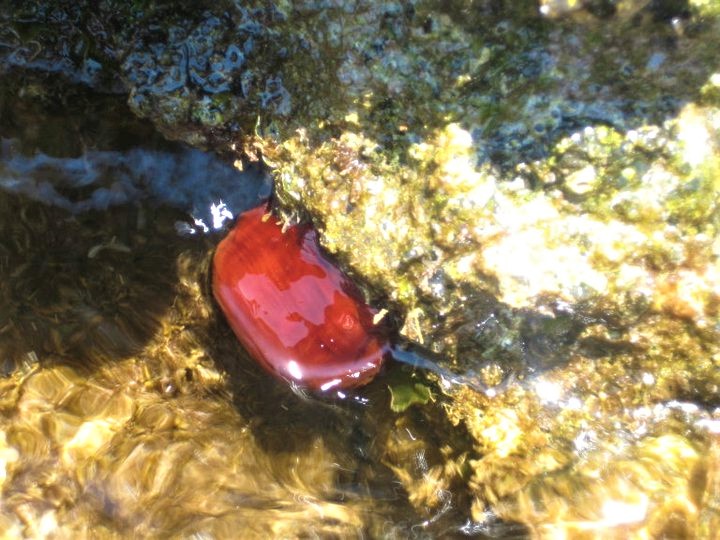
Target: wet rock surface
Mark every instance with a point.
(531, 189)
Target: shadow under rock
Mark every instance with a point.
(92, 287)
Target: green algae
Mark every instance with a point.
(405, 394)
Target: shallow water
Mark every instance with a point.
(127, 406)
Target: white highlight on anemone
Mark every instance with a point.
(294, 370)
(328, 385)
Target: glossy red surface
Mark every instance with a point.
(292, 309)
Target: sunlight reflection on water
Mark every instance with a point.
(195, 182)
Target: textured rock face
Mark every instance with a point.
(535, 197)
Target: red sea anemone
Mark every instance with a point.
(292, 309)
